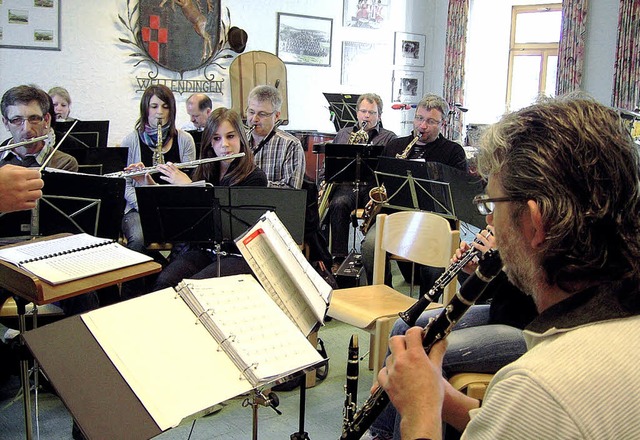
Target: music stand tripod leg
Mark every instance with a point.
(301, 434)
(21, 305)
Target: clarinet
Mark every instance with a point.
(411, 315)
(158, 157)
(437, 329)
(351, 388)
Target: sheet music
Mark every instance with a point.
(71, 258)
(285, 273)
(249, 326)
(170, 363)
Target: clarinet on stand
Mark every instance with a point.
(437, 329)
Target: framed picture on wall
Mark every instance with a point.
(303, 39)
(31, 25)
(370, 14)
(407, 86)
(409, 49)
(358, 59)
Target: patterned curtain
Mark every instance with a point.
(456, 43)
(626, 80)
(571, 49)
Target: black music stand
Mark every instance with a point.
(179, 214)
(93, 134)
(71, 202)
(351, 163)
(343, 109)
(430, 186)
(241, 207)
(100, 160)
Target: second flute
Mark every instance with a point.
(154, 169)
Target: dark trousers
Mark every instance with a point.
(343, 202)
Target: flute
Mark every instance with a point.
(411, 315)
(351, 388)
(154, 169)
(437, 329)
(20, 144)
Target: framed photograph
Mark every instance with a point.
(305, 40)
(32, 24)
(361, 64)
(407, 86)
(409, 49)
(370, 14)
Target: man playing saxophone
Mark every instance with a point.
(368, 130)
(431, 146)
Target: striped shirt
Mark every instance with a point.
(282, 160)
(578, 382)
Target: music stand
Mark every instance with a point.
(241, 207)
(351, 163)
(178, 214)
(71, 202)
(100, 160)
(343, 109)
(440, 189)
(91, 133)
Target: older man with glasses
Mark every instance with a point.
(278, 153)
(25, 114)
(427, 143)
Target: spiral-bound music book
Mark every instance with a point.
(71, 258)
(184, 349)
(284, 272)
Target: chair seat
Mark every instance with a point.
(472, 384)
(362, 306)
(10, 309)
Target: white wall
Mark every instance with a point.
(100, 76)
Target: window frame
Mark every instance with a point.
(543, 50)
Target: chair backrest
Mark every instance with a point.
(418, 236)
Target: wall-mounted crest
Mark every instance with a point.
(180, 35)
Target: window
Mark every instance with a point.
(533, 53)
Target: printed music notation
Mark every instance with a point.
(285, 273)
(249, 326)
(71, 258)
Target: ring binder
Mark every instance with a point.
(71, 258)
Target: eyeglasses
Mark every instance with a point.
(429, 121)
(368, 112)
(261, 115)
(19, 120)
(486, 204)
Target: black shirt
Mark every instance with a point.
(441, 150)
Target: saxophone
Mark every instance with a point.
(378, 195)
(158, 157)
(406, 151)
(360, 136)
(356, 137)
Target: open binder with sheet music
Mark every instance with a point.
(174, 353)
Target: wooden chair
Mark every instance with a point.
(472, 384)
(415, 235)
